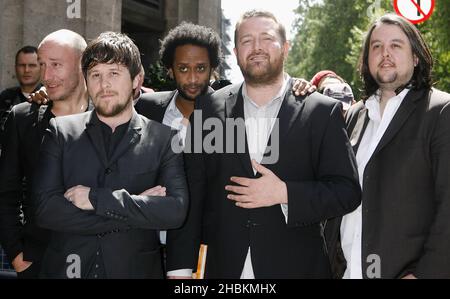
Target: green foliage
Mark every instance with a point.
(330, 34)
(437, 34)
(158, 79)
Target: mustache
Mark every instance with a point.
(256, 54)
(386, 61)
(192, 86)
(107, 93)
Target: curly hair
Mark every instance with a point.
(188, 33)
(422, 72)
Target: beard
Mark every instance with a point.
(106, 109)
(386, 79)
(181, 90)
(264, 72)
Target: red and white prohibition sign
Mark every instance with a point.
(416, 11)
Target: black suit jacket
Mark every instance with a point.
(123, 225)
(25, 128)
(154, 105)
(9, 98)
(406, 198)
(315, 161)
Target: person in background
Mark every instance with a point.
(28, 76)
(332, 85)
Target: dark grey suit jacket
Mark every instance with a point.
(406, 198)
(316, 162)
(123, 225)
(154, 105)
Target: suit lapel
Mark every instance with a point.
(234, 108)
(359, 129)
(289, 111)
(404, 111)
(94, 132)
(131, 137)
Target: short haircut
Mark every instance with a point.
(67, 38)
(191, 34)
(112, 47)
(422, 72)
(256, 13)
(26, 50)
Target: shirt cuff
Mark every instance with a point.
(284, 209)
(181, 272)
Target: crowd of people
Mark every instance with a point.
(279, 181)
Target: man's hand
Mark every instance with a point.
(155, 191)
(410, 276)
(265, 191)
(19, 264)
(79, 196)
(40, 97)
(302, 87)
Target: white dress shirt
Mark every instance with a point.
(351, 226)
(259, 122)
(174, 119)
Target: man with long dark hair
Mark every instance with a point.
(401, 135)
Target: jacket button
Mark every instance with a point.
(108, 170)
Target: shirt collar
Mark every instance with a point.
(373, 103)
(172, 105)
(280, 95)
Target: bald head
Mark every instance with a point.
(59, 55)
(68, 38)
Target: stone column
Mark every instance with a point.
(211, 14)
(102, 16)
(188, 11)
(171, 14)
(44, 17)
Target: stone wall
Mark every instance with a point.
(27, 22)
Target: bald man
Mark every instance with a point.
(59, 55)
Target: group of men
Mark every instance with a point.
(270, 179)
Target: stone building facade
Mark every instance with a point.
(26, 22)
